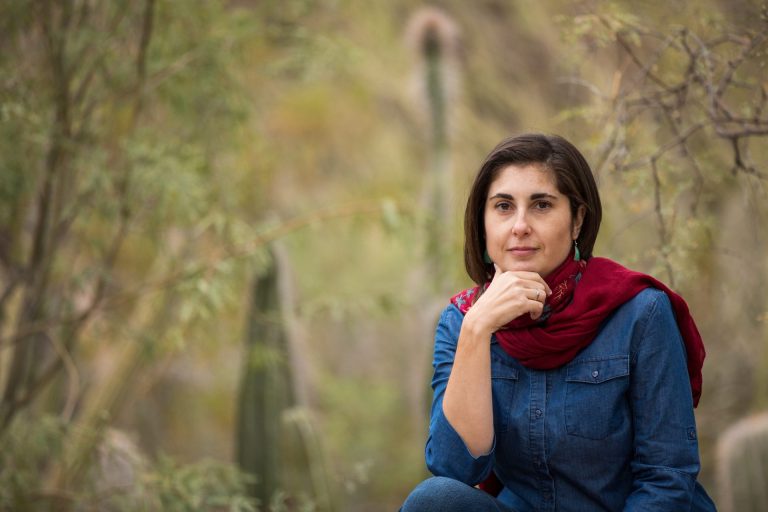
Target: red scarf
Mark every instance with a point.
(584, 294)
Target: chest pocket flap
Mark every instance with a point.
(501, 369)
(598, 370)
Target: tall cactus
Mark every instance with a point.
(304, 442)
(272, 440)
(743, 466)
(265, 388)
(434, 38)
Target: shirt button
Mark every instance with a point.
(538, 413)
(691, 434)
(595, 374)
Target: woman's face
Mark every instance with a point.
(528, 222)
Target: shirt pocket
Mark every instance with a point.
(503, 384)
(595, 391)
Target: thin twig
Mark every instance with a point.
(673, 144)
(663, 235)
(73, 376)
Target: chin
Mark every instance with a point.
(522, 267)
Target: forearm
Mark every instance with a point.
(467, 403)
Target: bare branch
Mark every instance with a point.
(698, 174)
(738, 162)
(673, 144)
(748, 46)
(73, 376)
(141, 57)
(646, 68)
(663, 234)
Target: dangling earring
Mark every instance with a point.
(576, 253)
(487, 257)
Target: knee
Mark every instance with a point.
(440, 494)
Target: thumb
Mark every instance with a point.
(498, 270)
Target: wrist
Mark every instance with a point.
(474, 325)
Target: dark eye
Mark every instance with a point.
(504, 206)
(542, 205)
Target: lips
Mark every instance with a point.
(522, 252)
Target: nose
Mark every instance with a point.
(520, 226)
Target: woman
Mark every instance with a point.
(562, 382)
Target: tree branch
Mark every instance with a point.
(663, 234)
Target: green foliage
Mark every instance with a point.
(206, 485)
(24, 454)
(123, 483)
(253, 121)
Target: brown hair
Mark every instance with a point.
(573, 177)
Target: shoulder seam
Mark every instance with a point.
(645, 322)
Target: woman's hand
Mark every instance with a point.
(467, 403)
(510, 295)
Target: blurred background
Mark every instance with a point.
(227, 229)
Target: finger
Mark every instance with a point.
(498, 270)
(536, 295)
(530, 284)
(533, 276)
(537, 309)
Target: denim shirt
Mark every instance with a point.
(611, 430)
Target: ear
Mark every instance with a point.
(578, 220)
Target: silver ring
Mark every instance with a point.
(537, 294)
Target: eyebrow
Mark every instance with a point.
(537, 195)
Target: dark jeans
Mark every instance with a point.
(441, 494)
